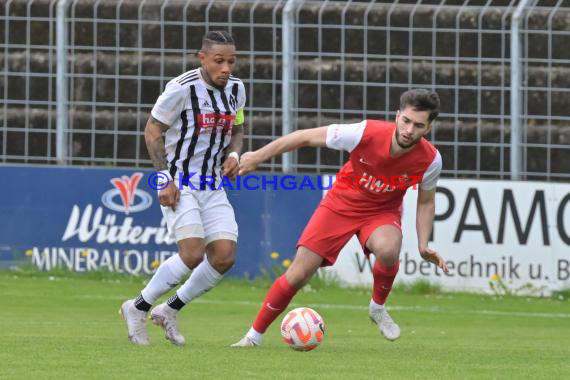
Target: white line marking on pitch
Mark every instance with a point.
(431, 309)
(424, 309)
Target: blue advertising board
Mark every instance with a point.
(87, 219)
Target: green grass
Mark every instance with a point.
(418, 287)
(67, 327)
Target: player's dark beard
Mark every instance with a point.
(209, 79)
(403, 146)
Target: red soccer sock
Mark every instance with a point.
(383, 279)
(277, 299)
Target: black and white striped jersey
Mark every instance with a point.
(201, 118)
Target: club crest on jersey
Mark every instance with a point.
(131, 199)
(212, 120)
(233, 102)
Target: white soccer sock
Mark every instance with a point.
(167, 276)
(204, 277)
(254, 335)
(375, 306)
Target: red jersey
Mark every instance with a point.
(372, 181)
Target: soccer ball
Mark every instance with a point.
(303, 329)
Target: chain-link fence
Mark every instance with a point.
(546, 91)
(351, 60)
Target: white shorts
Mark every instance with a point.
(205, 214)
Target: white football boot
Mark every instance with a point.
(165, 317)
(386, 324)
(246, 341)
(136, 323)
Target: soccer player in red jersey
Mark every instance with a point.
(385, 160)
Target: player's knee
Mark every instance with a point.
(191, 251)
(191, 258)
(223, 263)
(298, 276)
(222, 255)
(388, 254)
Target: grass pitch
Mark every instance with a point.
(67, 327)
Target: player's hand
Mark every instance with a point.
(247, 163)
(169, 196)
(432, 256)
(230, 168)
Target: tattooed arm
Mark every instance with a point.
(154, 139)
(155, 142)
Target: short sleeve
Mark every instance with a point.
(431, 175)
(170, 103)
(241, 96)
(345, 136)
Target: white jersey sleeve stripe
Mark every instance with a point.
(431, 175)
(345, 136)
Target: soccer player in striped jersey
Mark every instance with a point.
(385, 160)
(194, 137)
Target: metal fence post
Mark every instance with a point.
(62, 96)
(287, 87)
(516, 163)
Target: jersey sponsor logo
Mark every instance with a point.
(381, 183)
(377, 183)
(212, 120)
(131, 199)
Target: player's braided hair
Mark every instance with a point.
(217, 37)
(421, 100)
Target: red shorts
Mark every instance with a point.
(328, 232)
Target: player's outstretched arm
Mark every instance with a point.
(424, 222)
(315, 137)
